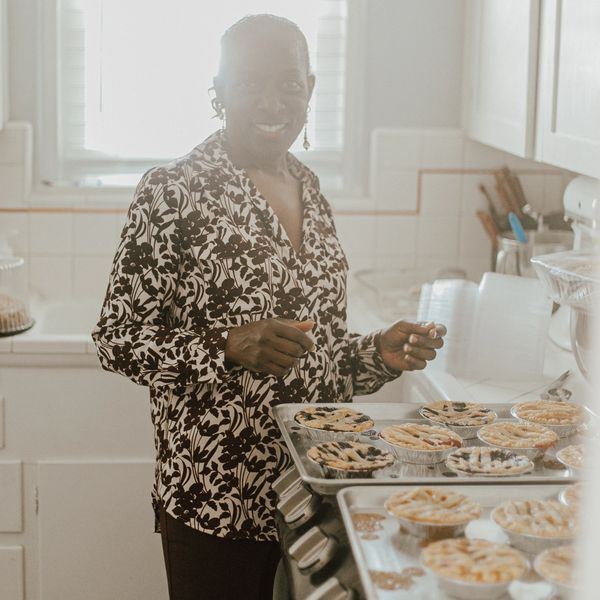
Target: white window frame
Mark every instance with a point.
(340, 172)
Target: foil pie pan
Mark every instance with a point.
(562, 431)
(575, 471)
(529, 468)
(562, 589)
(419, 457)
(430, 531)
(530, 453)
(466, 432)
(333, 473)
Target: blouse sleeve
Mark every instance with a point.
(135, 335)
(369, 372)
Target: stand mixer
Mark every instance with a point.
(572, 278)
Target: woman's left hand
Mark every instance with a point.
(406, 346)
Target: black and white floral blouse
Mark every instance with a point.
(201, 252)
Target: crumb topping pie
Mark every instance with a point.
(482, 460)
(540, 518)
(556, 564)
(350, 456)
(474, 560)
(517, 435)
(572, 456)
(550, 412)
(419, 436)
(331, 418)
(434, 506)
(460, 414)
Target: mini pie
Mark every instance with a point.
(517, 435)
(541, 518)
(474, 561)
(572, 456)
(572, 495)
(550, 412)
(482, 460)
(350, 456)
(333, 419)
(556, 564)
(461, 414)
(433, 506)
(419, 436)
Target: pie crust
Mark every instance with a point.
(572, 456)
(571, 495)
(508, 434)
(485, 461)
(330, 418)
(550, 412)
(419, 436)
(556, 564)
(350, 456)
(540, 518)
(459, 414)
(433, 506)
(474, 561)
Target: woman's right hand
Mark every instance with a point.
(269, 346)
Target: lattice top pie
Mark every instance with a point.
(474, 560)
(419, 436)
(550, 412)
(517, 435)
(541, 518)
(556, 564)
(461, 414)
(481, 460)
(435, 506)
(572, 456)
(350, 456)
(331, 418)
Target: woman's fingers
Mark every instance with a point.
(288, 347)
(425, 341)
(415, 363)
(420, 353)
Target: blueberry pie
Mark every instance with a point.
(460, 414)
(350, 457)
(336, 419)
(488, 462)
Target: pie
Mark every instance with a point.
(571, 495)
(517, 435)
(556, 564)
(474, 561)
(350, 456)
(460, 414)
(433, 506)
(14, 315)
(419, 436)
(550, 412)
(330, 418)
(540, 518)
(572, 456)
(485, 461)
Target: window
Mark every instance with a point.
(132, 80)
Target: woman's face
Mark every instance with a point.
(265, 87)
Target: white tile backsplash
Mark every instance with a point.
(51, 233)
(15, 226)
(440, 194)
(478, 156)
(473, 242)
(90, 276)
(14, 185)
(396, 236)
(396, 190)
(438, 238)
(396, 148)
(51, 276)
(94, 234)
(443, 149)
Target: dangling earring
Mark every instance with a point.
(306, 143)
(217, 107)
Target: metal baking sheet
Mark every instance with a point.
(390, 550)
(547, 470)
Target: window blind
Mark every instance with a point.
(133, 76)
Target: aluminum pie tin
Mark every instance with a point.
(562, 589)
(419, 457)
(529, 468)
(563, 496)
(330, 435)
(577, 471)
(530, 453)
(562, 431)
(466, 432)
(330, 472)
(532, 544)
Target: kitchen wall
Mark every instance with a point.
(419, 205)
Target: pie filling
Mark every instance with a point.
(433, 506)
(550, 412)
(474, 561)
(418, 436)
(333, 419)
(541, 518)
(350, 456)
(478, 460)
(460, 414)
(517, 435)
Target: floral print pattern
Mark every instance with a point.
(202, 252)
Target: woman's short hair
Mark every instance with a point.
(251, 24)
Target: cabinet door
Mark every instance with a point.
(569, 95)
(501, 72)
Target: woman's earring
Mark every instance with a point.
(217, 107)
(306, 143)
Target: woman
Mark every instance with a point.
(228, 296)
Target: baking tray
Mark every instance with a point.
(550, 470)
(390, 550)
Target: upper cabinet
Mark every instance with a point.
(532, 79)
(500, 67)
(568, 117)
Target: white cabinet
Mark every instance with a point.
(500, 69)
(568, 118)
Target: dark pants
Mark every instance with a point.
(207, 567)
